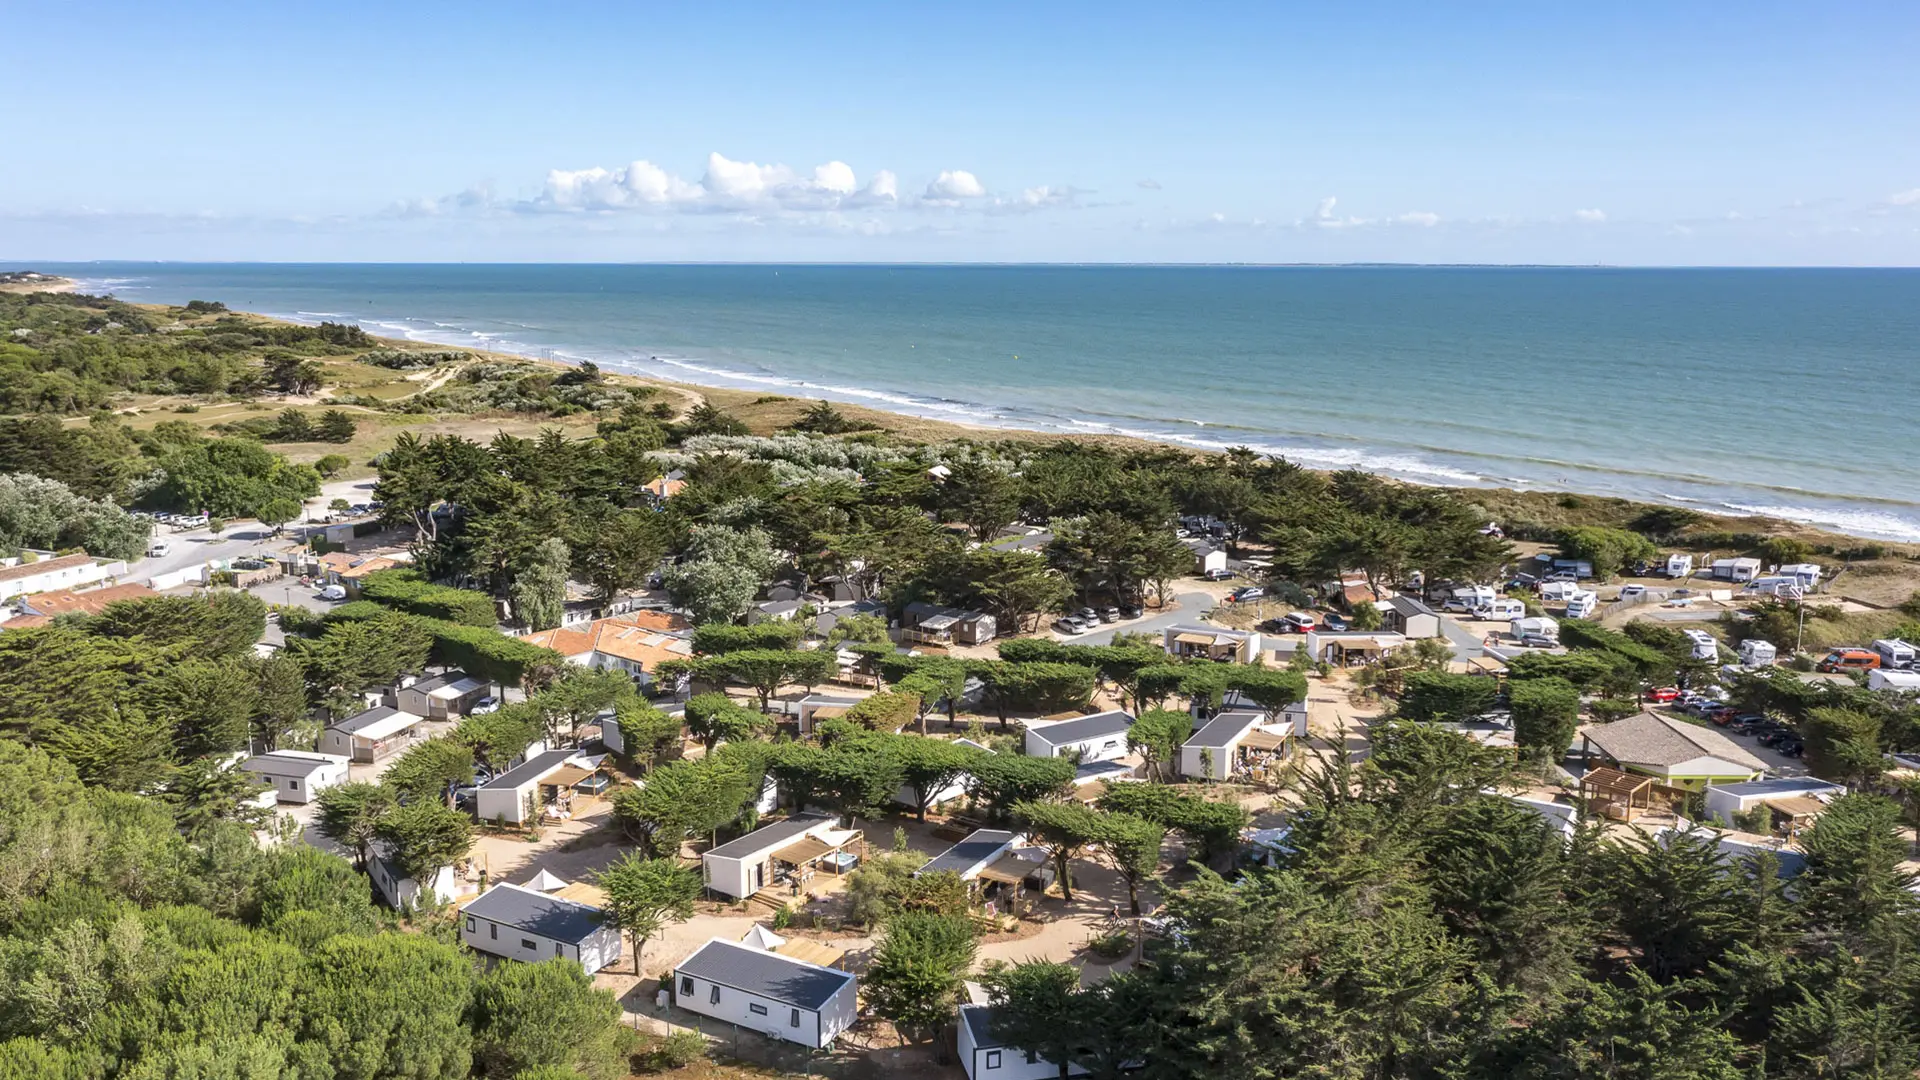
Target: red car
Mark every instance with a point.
(1662, 695)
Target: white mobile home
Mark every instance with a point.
(775, 995)
(985, 1057)
(1214, 752)
(368, 736)
(296, 775)
(401, 891)
(1408, 617)
(1741, 569)
(526, 924)
(514, 795)
(741, 867)
(1193, 642)
(1726, 800)
(442, 697)
(1100, 737)
(981, 849)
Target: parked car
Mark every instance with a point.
(1071, 626)
(332, 592)
(1662, 695)
(488, 704)
(1246, 593)
(1334, 621)
(1298, 622)
(1087, 615)
(1720, 714)
(1562, 575)
(1538, 641)
(1130, 611)
(1110, 614)
(1790, 747)
(158, 548)
(1222, 574)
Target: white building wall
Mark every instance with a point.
(1003, 1063)
(492, 804)
(601, 948)
(815, 1029)
(730, 877)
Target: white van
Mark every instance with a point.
(1582, 604)
(1504, 610)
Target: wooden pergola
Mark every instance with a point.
(1611, 787)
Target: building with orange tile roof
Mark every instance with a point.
(637, 642)
(42, 608)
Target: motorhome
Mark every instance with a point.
(1895, 654)
(1756, 653)
(1582, 604)
(1774, 585)
(1807, 574)
(1705, 646)
(1503, 610)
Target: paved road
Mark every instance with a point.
(1466, 644)
(1187, 608)
(195, 547)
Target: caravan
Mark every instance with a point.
(1757, 653)
(1679, 566)
(1582, 605)
(1558, 592)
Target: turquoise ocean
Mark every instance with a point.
(1788, 392)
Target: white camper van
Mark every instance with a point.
(1504, 609)
(1582, 604)
(1559, 592)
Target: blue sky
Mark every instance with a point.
(1632, 133)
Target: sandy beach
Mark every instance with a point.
(27, 281)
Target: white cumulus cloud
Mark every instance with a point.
(1424, 218)
(956, 184)
(1592, 216)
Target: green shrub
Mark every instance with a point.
(679, 1050)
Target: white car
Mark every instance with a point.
(158, 548)
(485, 705)
(332, 592)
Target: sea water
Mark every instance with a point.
(1760, 391)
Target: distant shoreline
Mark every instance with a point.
(763, 403)
(27, 281)
(762, 410)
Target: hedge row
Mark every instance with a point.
(406, 590)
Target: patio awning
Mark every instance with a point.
(1798, 806)
(1263, 740)
(937, 622)
(805, 850)
(1615, 782)
(1195, 639)
(567, 776)
(1009, 870)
